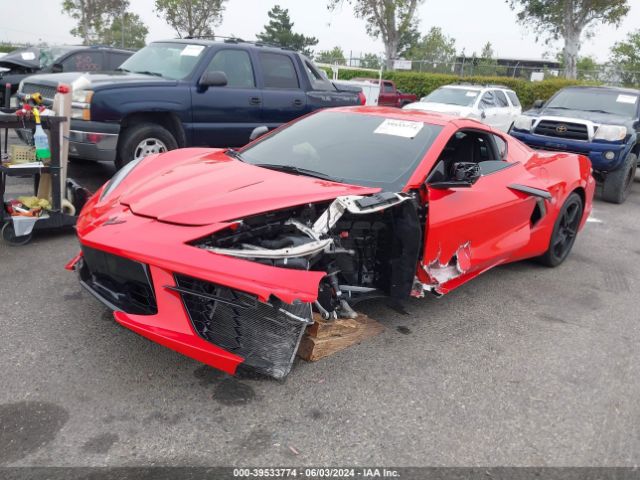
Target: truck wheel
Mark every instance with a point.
(617, 184)
(564, 232)
(143, 139)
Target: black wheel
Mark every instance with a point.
(565, 231)
(617, 185)
(9, 236)
(143, 139)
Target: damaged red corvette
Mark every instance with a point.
(223, 255)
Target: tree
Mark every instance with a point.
(191, 18)
(435, 48)
(487, 63)
(133, 35)
(625, 55)
(569, 19)
(389, 20)
(370, 60)
(279, 31)
(332, 56)
(92, 16)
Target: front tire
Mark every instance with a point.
(143, 139)
(617, 185)
(564, 232)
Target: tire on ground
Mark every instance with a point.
(135, 134)
(617, 184)
(550, 258)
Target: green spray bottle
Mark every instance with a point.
(43, 153)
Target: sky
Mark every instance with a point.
(471, 22)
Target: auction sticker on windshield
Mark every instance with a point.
(192, 50)
(399, 128)
(627, 99)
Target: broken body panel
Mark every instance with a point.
(254, 241)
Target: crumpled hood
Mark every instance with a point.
(214, 188)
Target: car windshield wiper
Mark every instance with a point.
(299, 171)
(234, 154)
(147, 72)
(122, 70)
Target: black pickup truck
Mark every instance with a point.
(188, 92)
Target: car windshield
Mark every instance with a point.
(592, 100)
(353, 148)
(453, 96)
(169, 60)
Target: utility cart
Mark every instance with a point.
(17, 230)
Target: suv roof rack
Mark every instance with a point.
(482, 85)
(237, 40)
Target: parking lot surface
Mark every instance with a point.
(523, 366)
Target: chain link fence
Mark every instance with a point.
(532, 70)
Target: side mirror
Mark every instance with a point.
(538, 104)
(258, 132)
(463, 175)
(213, 79)
(57, 68)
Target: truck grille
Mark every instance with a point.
(554, 128)
(267, 336)
(47, 91)
(119, 282)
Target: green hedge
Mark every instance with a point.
(424, 83)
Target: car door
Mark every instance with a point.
(470, 230)
(504, 116)
(225, 116)
(283, 98)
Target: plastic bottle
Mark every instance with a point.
(41, 140)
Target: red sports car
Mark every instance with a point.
(223, 255)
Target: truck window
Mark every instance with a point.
(388, 87)
(488, 100)
(278, 71)
(501, 99)
(318, 82)
(85, 61)
(236, 64)
(115, 59)
(514, 98)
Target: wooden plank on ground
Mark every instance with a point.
(325, 338)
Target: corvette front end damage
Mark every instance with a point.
(244, 294)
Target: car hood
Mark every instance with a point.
(216, 188)
(22, 58)
(99, 80)
(595, 117)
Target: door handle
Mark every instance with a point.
(297, 102)
(255, 101)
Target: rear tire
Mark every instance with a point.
(564, 232)
(141, 140)
(617, 185)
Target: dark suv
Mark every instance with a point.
(181, 93)
(602, 123)
(19, 64)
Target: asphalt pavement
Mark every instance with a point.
(523, 366)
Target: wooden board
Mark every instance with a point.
(325, 338)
